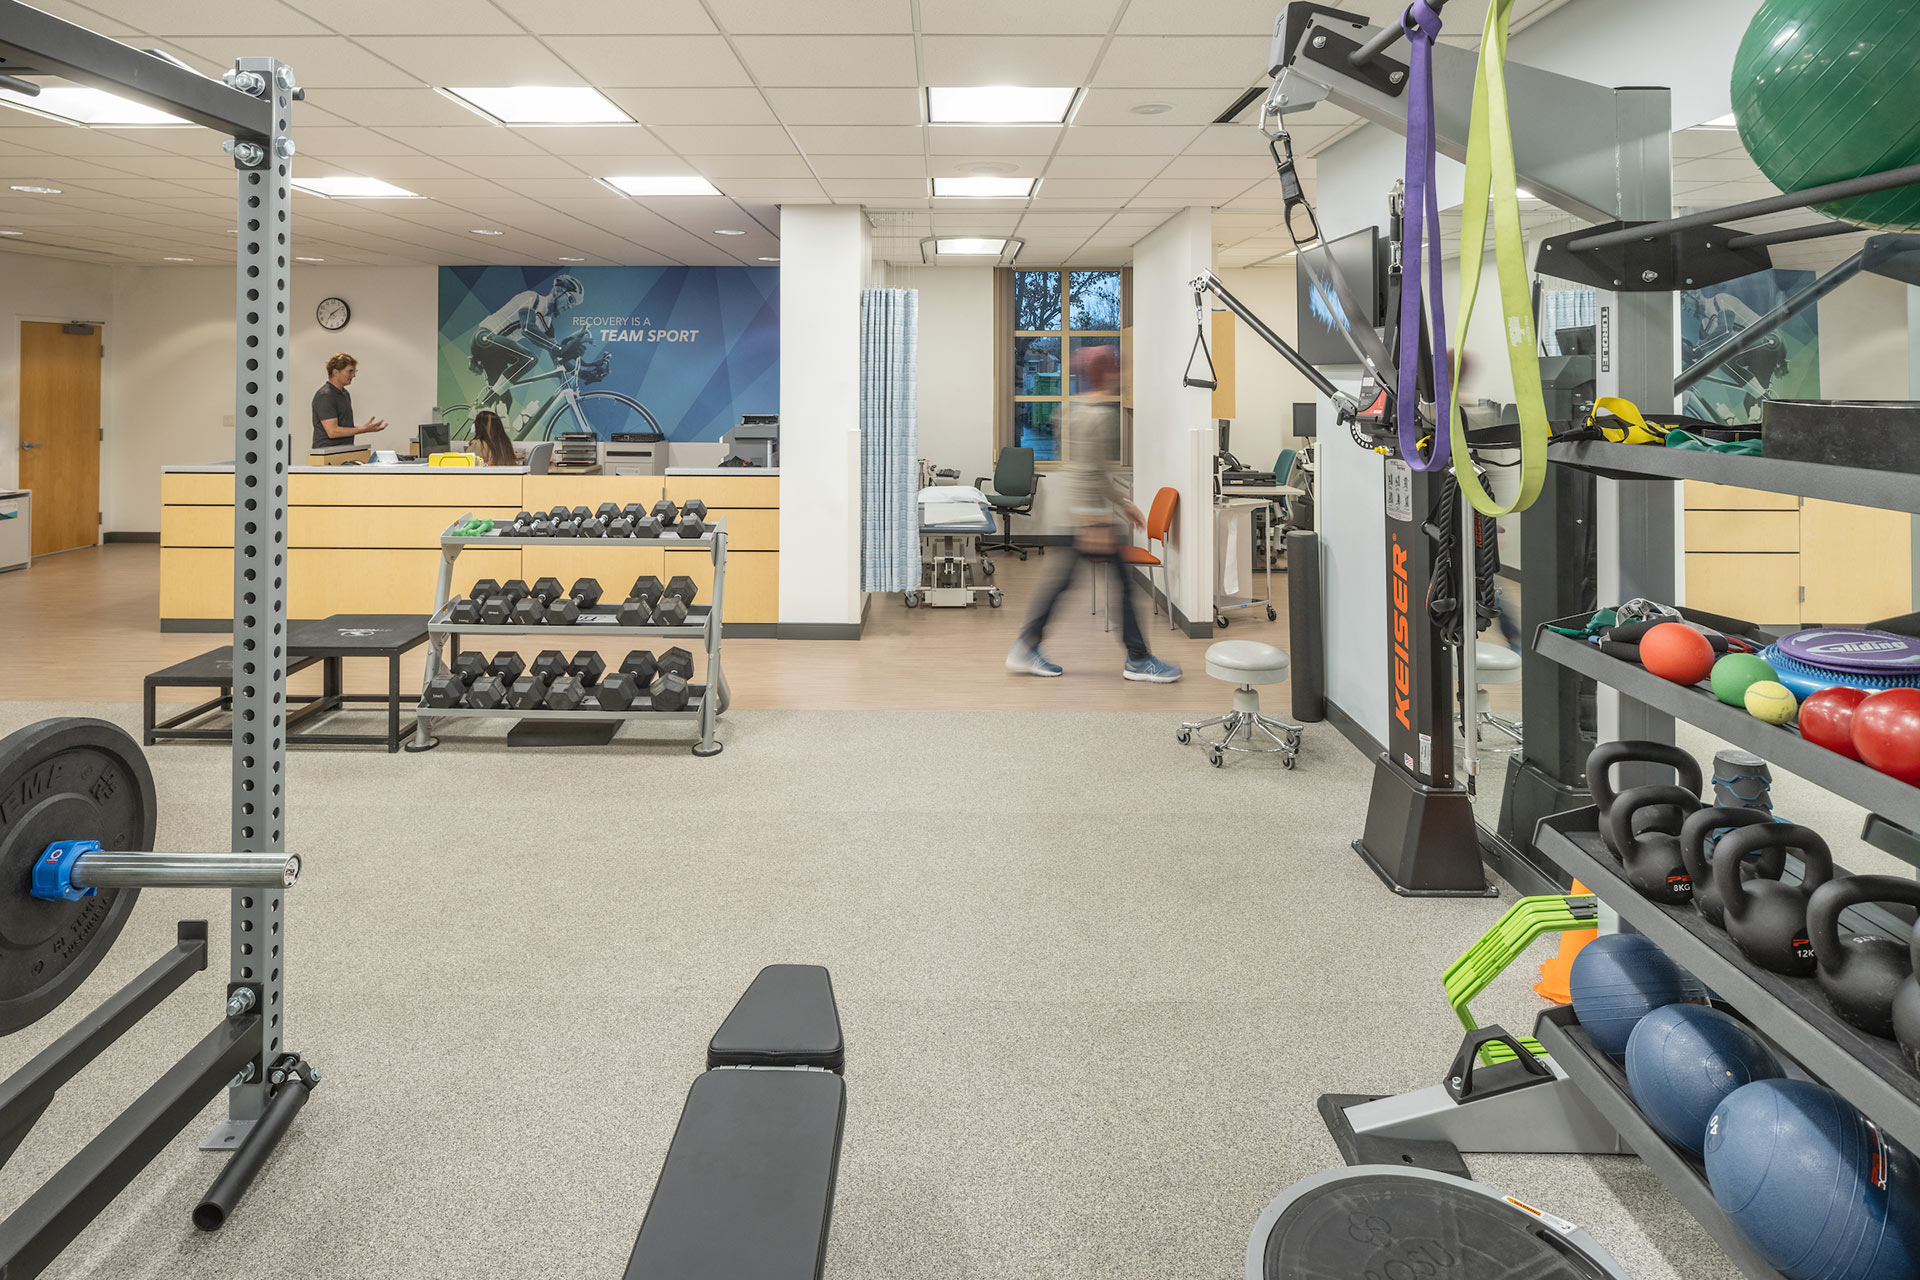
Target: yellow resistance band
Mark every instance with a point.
(1629, 426)
(1491, 179)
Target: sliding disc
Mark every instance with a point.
(67, 779)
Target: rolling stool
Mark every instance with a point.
(1497, 665)
(1246, 663)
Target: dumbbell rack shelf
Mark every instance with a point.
(703, 622)
(1790, 1012)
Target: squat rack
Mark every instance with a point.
(252, 105)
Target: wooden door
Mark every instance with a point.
(60, 433)
(1856, 563)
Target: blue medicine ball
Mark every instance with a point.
(1820, 1193)
(1682, 1059)
(1617, 979)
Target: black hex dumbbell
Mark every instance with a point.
(542, 526)
(549, 666)
(531, 610)
(559, 511)
(647, 527)
(522, 524)
(635, 612)
(693, 507)
(469, 665)
(589, 666)
(567, 528)
(678, 661)
(463, 612)
(676, 601)
(566, 611)
(691, 526)
(507, 665)
(607, 512)
(445, 690)
(482, 591)
(666, 512)
(498, 610)
(619, 527)
(566, 694)
(640, 664)
(670, 691)
(633, 511)
(592, 528)
(618, 691)
(581, 513)
(488, 691)
(529, 693)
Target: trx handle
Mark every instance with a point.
(1491, 187)
(1212, 381)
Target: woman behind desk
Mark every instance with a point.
(490, 440)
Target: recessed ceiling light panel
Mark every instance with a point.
(534, 104)
(999, 104)
(969, 246)
(662, 185)
(573, 259)
(728, 231)
(979, 188)
(78, 104)
(352, 188)
(300, 259)
(15, 233)
(39, 191)
(482, 231)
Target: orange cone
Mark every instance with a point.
(1554, 973)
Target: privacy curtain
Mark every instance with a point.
(889, 439)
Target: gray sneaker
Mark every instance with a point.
(1150, 668)
(1024, 659)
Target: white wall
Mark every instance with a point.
(1638, 42)
(825, 260)
(1864, 340)
(1166, 414)
(957, 394)
(48, 289)
(1266, 387)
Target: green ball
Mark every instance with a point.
(1823, 91)
(1733, 673)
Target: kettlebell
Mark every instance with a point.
(1906, 1010)
(1767, 919)
(1860, 973)
(1653, 817)
(1651, 856)
(1694, 832)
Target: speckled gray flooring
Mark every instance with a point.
(1091, 989)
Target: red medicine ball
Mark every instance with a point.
(1675, 651)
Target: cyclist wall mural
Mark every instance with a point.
(685, 350)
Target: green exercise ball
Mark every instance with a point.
(1735, 673)
(1824, 90)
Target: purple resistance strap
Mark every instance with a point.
(1422, 219)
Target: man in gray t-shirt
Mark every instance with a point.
(1102, 521)
(333, 406)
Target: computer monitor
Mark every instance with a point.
(1225, 427)
(434, 437)
(1306, 420)
(1322, 333)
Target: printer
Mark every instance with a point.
(753, 442)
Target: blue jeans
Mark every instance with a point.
(1130, 632)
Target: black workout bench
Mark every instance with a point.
(746, 1192)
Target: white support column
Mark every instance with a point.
(1166, 414)
(824, 264)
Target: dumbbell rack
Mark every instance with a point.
(705, 701)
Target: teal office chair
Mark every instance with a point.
(1014, 484)
(1280, 513)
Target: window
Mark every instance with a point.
(1056, 316)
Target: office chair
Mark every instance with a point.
(1014, 484)
(1280, 512)
(1159, 524)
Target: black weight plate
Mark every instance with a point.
(68, 779)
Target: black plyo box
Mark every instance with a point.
(1883, 435)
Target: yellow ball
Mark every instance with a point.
(1771, 701)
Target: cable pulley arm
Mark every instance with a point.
(1345, 405)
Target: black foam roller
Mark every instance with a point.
(1304, 632)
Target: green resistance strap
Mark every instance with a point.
(1491, 180)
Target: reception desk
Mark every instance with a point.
(367, 539)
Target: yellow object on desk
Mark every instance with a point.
(453, 460)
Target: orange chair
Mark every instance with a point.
(1159, 521)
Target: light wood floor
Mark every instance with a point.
(84, 626)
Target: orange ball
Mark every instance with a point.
(1675, 651)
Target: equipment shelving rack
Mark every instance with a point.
(1790, 1012)
(705, 702)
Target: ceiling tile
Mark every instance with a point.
(350, 140)
(1052, 189)
(609, 17)
(1197, 190)
(738, 139)
(474, 60)
(99, 18)
(1217, 17)
(416, 17)
(652, 62)
(417, 106)
(486, 140)
(897, 106)
(997, 17)
(875, 188)
(592, 140)
(209, 17)
(743, 16)
(694, 106)
(1184, 61)
(171, 166)
(1114, 106)
(465, 188)
(1125, 141)
(830, 168)
(1122, 166)
(1044, 61)
(1249, 168)
(791, 165)
(858, 140)
(509, 168)
(401, 170)
(830, 61)
(777, 189)
(318, 62)
(980, 140)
